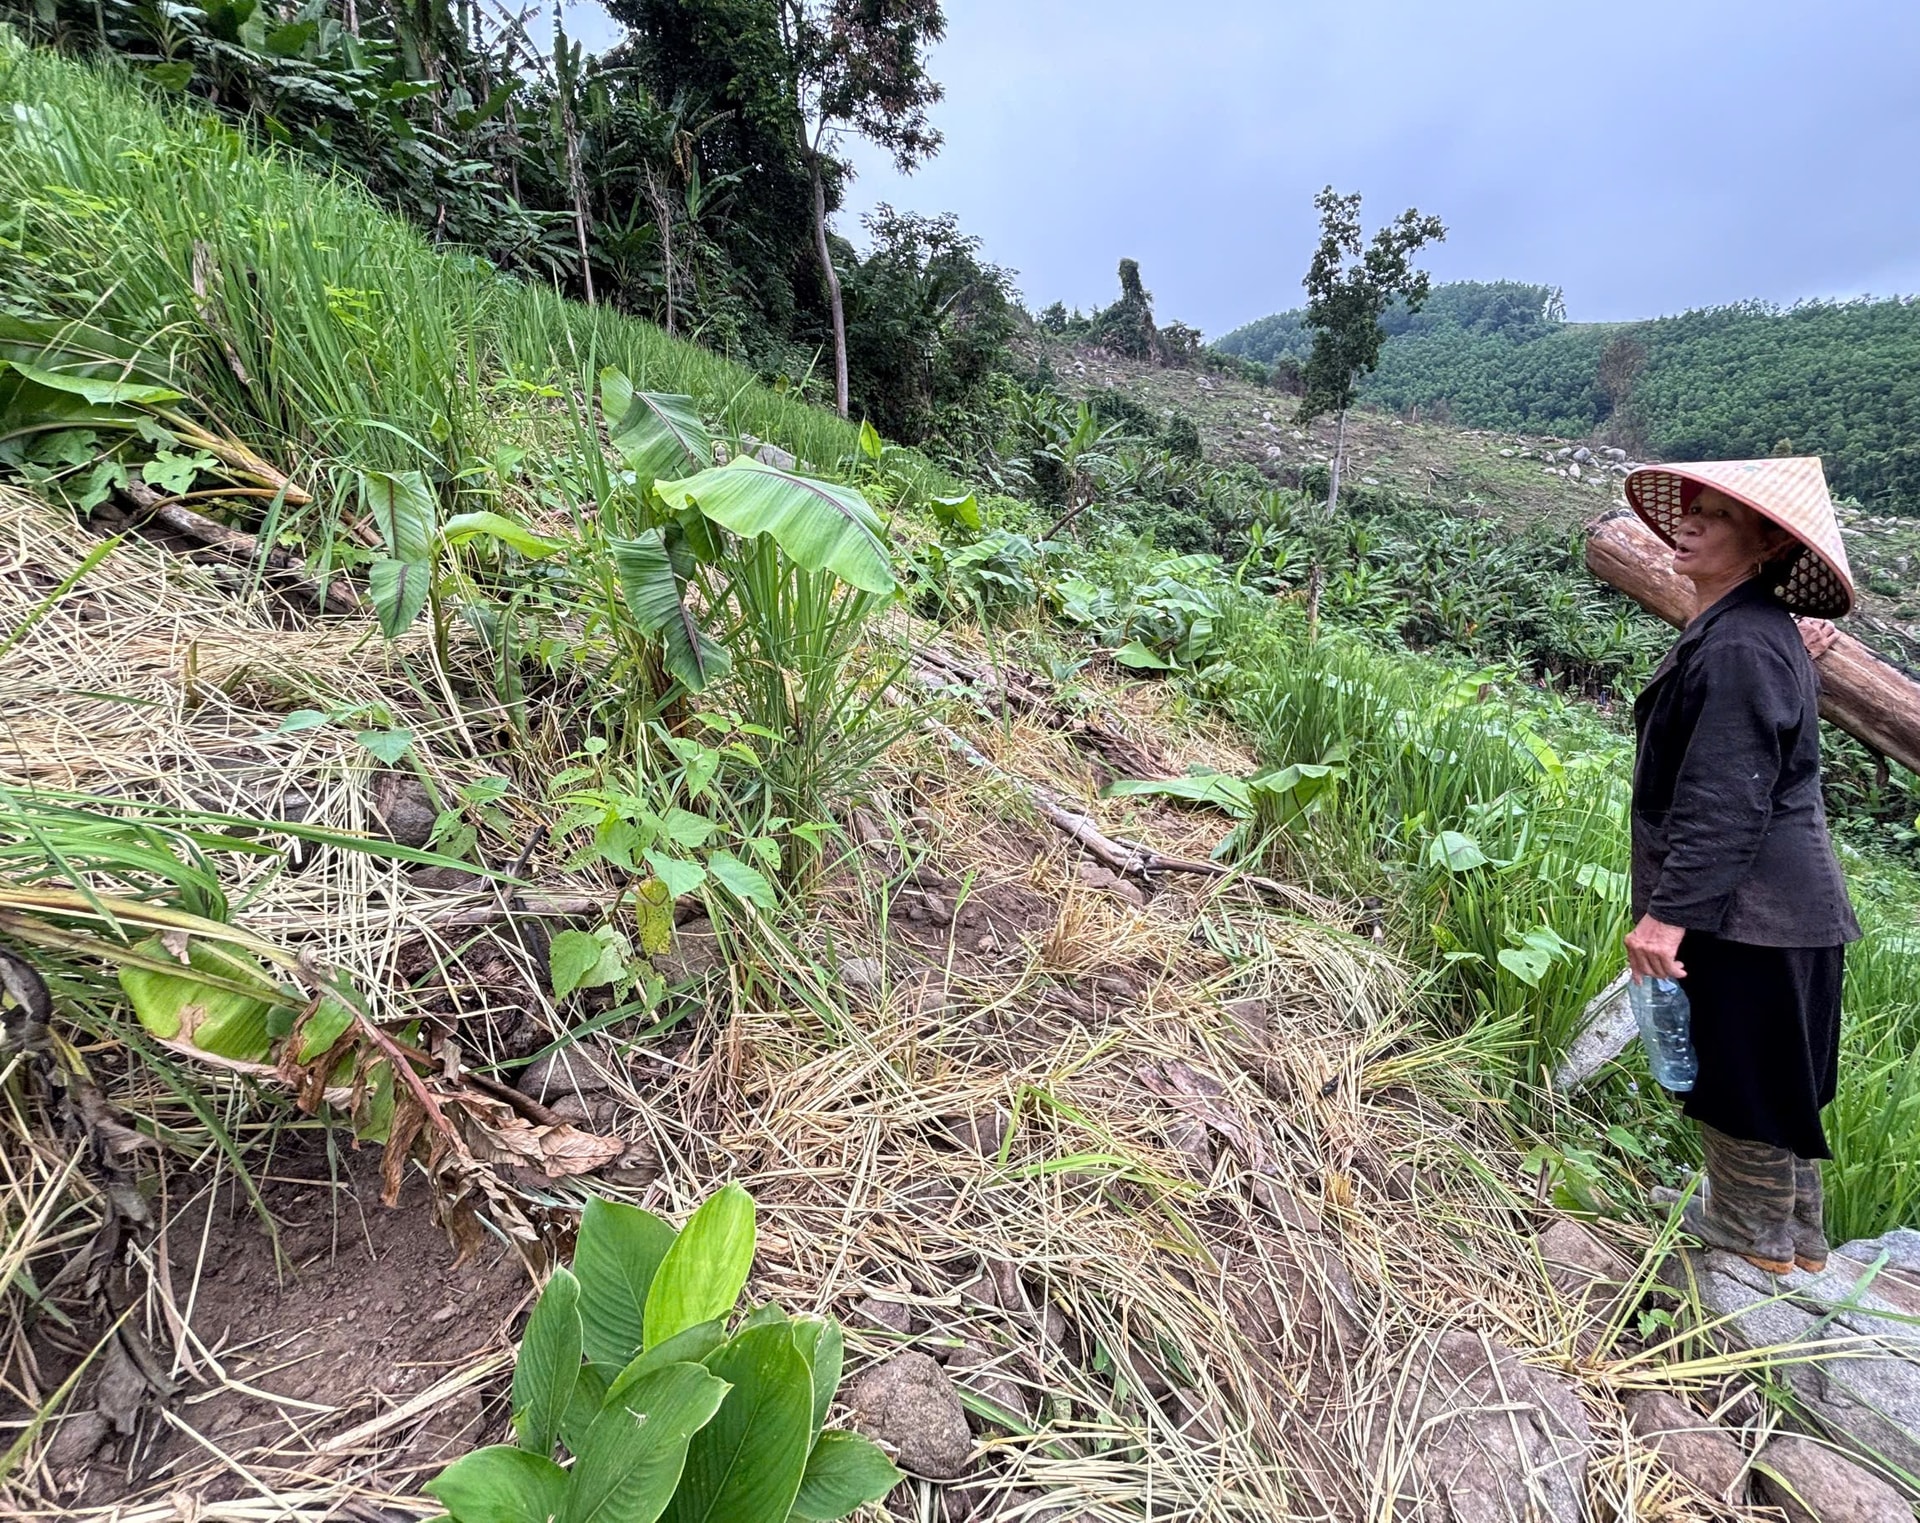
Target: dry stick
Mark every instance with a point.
(338, 596)
(1128, 858)
(1869, 698)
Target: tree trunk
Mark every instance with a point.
(663, 219)
(577, 183)
(1871, 699)
(833, 281)
(1333, 475)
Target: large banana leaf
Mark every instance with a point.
(657, 600)
(655, 432)
(822, 526)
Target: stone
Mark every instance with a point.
(1574, 472)
(983, 1132)
(862, 972)
(1589, 1274)
(1564, 453)
(1869, 1291)
(894, 1316)
(1582, 455)
(1614, 454)
(78, 1439)
(1188, 1138)
(1482, 1436)
(908, 1406)
(1098, 875)
(402, 808)
(773, 455)
(977, 1370)
(1811, 1484)
(561, 1073)
(1688, 1445)
(694, 954)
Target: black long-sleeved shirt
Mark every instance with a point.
(1729, 827)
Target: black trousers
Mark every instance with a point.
(1766, 1025)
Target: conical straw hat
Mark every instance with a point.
(1791, 491)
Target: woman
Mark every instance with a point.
(1735, 887)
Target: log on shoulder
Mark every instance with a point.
(1871, 699)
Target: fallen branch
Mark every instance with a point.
(1005, 691)
(1128, 858)
(338, 596)
(1868, 697)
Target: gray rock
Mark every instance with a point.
(1565, 452)
(894, 1316)
(561, 1073)
(1869, 1399)
(908, 1405)
(1483, 1437)
(983, 1131)
(1688, 1445)
(1588, 1273)
(402, 808)
(862, 972)
(773, 455)
(694, 954)
(1812, 1484)
(980, 1372)
(1606, 1029)
(78, 1439)
(1582, 455)
(1614, 454)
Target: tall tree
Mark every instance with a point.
(858, 66)
(1350, 286)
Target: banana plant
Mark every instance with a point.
(634, 1365)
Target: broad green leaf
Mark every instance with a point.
(98, 392)
(589, 1395)
(743, 882)
(572, 956)
(961, 511)
(745, 1466)
(632, 1456)
(1140, 659)
(399, 590)
(465, 526)
(821, 526)
(844, 1471)
(820, 1344)
(653, 915)
(870, 442)
(388, 745)
(172, 473)
(657, 600)
(1528, 964)
(500, 1484)
(686, 829)
(402, 508)
(680, 876)
(1216, 788)
(656, 433)
(703, 1272)
(1604, 881)
(302, 719)
(190, 1006)
(1455, 852)
(690, 1346)
(548, 1365)
(619, 1249)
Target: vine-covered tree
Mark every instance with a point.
(1350, 286)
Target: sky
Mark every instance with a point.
(1647, 156)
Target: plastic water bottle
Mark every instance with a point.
(1665, 1019)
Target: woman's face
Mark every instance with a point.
(1720, 540)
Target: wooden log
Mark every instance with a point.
(285, 568)
(1868, 697)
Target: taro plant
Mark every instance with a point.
(635, 1366)
(1266, 806)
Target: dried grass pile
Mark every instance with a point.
(1170, 1188)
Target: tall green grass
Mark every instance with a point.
(299, 315)
(1508, 861)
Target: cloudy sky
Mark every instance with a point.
(1646, 155)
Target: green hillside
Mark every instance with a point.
(1838, 379)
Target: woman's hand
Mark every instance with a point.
(1653, 949)
(1817, 635)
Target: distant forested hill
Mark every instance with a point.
(1838, 379)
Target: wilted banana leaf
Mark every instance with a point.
(656, 598)
(202, 1004)
(822, 526)
(656, 433)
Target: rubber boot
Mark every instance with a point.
(1809, 1217)
(1746, 1203)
